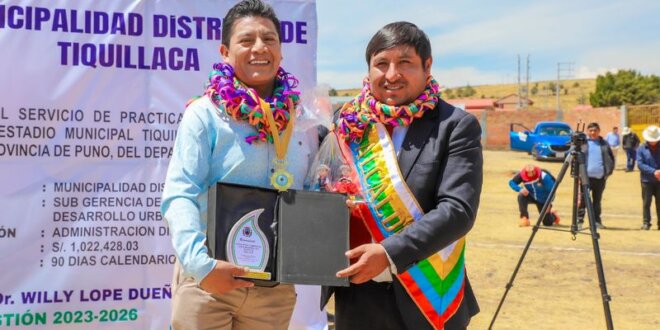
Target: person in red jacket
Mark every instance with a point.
(536, 186)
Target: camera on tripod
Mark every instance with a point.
(579, 138)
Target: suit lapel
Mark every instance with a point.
(415, 139)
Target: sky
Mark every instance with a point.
(477, 42)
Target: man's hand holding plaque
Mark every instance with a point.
(371, 261)
(223, 279)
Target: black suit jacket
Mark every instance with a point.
(442, 163)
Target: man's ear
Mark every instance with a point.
(427, 65)
(224, 51)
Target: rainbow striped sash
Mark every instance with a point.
(436, 284)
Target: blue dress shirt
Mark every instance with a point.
(595, 166)
(210, 147)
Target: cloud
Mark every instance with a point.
(640, 57)
(345, 26)
(342, 79)
(350, 19)
(463, 76)
(453, 77)
(477, 41)
(555, 26)
(585, 72)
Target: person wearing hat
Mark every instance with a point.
(536, 187)
(648, 162)
(630, 143)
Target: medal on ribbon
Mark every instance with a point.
(281, 179)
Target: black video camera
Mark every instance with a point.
(578, 138)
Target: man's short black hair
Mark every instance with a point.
(593, 125)
(396, 34)
(248, 8)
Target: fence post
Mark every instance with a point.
(624, 115)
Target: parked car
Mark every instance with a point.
(549, 140)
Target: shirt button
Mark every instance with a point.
(272, 170)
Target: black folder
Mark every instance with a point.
(307, 231)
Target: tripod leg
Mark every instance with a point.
(576, 200)
(594, 239)
(544, 211)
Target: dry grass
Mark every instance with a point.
(542, 100)
(348, 92)
(557, 286)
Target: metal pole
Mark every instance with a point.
(624, 116)
(527, 90)
(519, 89)
(557, 86)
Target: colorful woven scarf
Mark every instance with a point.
(356, 115)
(241, 102)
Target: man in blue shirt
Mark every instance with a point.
(613, 140)
(218, 141)
(600, 165)
(648, 161)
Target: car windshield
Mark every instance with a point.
(555, 130)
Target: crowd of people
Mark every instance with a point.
(534, 184)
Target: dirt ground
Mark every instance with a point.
(557, 286)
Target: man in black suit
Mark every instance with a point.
(439, 155)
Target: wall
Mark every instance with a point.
(641, 116)
(496, 124)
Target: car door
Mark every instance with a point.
(520, 137)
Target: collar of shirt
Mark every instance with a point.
(398, 134)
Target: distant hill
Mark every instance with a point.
(573, 93)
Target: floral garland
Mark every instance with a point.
(239, 101)
(356, 115)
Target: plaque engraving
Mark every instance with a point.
(247, 246)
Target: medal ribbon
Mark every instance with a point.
(281, 146)
(281, 143)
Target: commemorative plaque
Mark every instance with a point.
(297, 237)
(248, 246)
